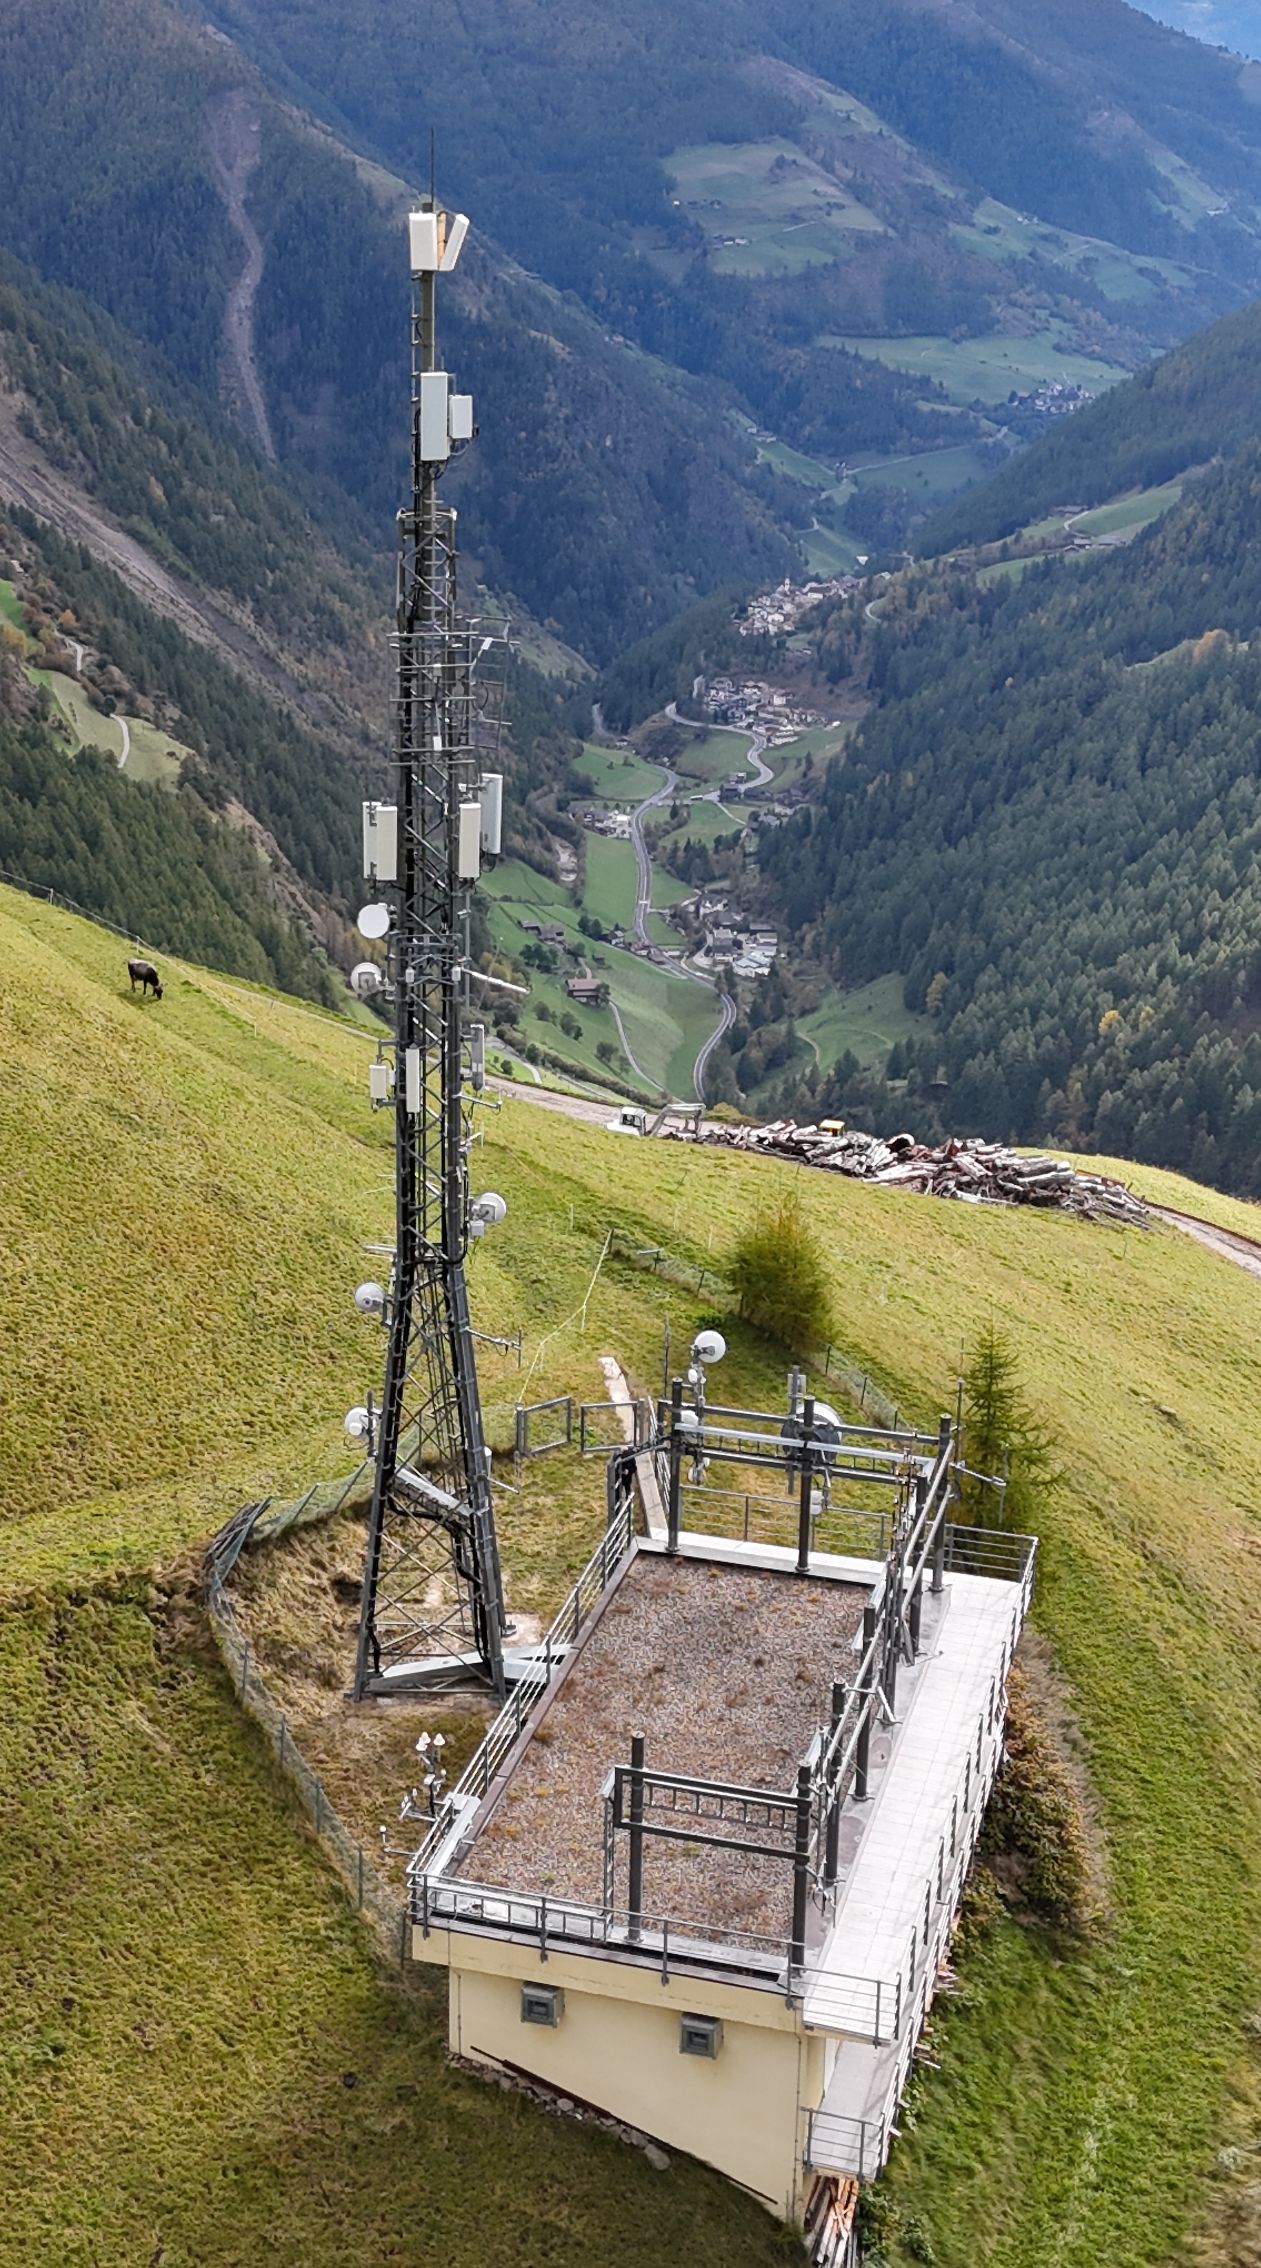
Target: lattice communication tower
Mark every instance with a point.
(432, 1612)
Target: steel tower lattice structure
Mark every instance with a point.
(432, 1611)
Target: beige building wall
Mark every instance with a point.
(617, 2046)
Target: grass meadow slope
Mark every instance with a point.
(200, 2063)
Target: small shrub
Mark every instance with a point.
(780, 1278)
(1034, 1836)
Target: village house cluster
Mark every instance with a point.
(772, 614)
(601, 821)
(755, 707)
(732, 938)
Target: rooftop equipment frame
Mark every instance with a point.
(432, 1610)
(799, 1825)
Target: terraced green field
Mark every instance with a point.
(666, 1016)
(150, 754)
(866, 1022)
(617, 775)
(711, 756)
(997, 232)
(704, 822)
(830, 550)
(667, 1019)
(784, 212)
(1125, 515)
(610, 886)
(986, 369)
(931, 477)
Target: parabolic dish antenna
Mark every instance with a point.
(365, 977)
(374, 921)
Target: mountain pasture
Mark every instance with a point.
(187, 1188)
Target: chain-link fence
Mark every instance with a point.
(382, 1909)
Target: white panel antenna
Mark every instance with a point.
(492, 796)
(380, 842)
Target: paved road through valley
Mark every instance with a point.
(643, 907)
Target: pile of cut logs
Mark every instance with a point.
(981, 1173)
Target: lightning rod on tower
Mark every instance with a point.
(432, 1610)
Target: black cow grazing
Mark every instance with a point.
(144, 974)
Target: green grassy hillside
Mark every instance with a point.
(201, 2061)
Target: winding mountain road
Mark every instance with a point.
(643, 861)
(756, 735)
(726, 1019)
(643, 907)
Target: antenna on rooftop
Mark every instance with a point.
(432, 1611)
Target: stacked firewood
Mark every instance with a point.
(981, 1173)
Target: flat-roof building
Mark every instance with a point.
(704, 1870)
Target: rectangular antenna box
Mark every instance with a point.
(461, 417)
(435, 431)
(492, 795)
(380, 841)
(422, 241)
(411, 1079)
(469, 850)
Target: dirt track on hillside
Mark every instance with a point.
(234, 133)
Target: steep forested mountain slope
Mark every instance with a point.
(605, 497)
(821, 179)
(538, 99)
(1050, 824)
(156, 861)
(162, 575)
(855, 232)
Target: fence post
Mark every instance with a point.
(939, 1554)
(676, 1468)
(807, 1486)
(245, 1671)
(635, 1873)
(801, 1872)
(832, 1861)
(862, 1757)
